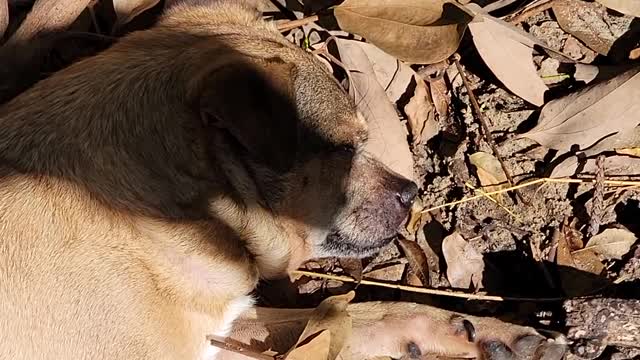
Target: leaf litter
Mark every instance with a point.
(424, 128)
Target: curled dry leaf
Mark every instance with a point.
(589, 27)
(619, 165)
(629, 7)
(489, 171)
(415, 31)
(612, 243)
(590, 115)
(387, 135)
(332, 316)
(353, 267)
(569, 255)
(440, 97)
(421, 114)
(4, 16)
(390, 273)
(465, 265)
(509, 55)
(393, 75)
(316, 348)
(418, 263)
(126, 10)
(48, 16)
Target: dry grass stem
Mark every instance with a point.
(531, 183)
(421, 289)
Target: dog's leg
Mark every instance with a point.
(400, 330)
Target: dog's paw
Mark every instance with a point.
(412, 331)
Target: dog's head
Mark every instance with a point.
(301, 141)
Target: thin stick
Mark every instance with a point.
(531, 183)
(534, 10)
(297, 23)
(420, 289)
(483, 123)
(238, 349)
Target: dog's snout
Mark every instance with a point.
(407, 193)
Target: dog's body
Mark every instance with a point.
(144, 191)
(140, 202)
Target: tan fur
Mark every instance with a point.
(145, 190)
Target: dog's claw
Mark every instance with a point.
(496, 350)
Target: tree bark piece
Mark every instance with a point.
(614, 322)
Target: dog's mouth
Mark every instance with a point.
(339, 244)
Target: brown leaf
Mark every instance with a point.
(317, 348)
(4, 16)
(489, 171)
(415, 31)
(393, 75)
(465, 265)
(614, 165)
(126, 10)
(569, 240)
(421, 114)
(587, 116)
(352, 266)
(390, 273)
(629, 7)
(589, 27)
(440, 97)
(387, 135)
(612, 243)
(330, 315)
(509, 55)
(418, 263)
(48, 16)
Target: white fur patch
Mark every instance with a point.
(234, 309)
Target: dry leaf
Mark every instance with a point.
(416, 31)
(126, 10)
(489, 171)
(418, 263)
(509, 55)
(387, 135)
(614, 165)
(421, 114)
(612, 243)
(440, 97)
(390, 273)
(589, 27)
(569, 240)
(393, 75)
(330, 315)
(352, 266)
(4, 16)
(629, 7)
(48, 16)
(465, 265)
(587, 116)
(315, 349)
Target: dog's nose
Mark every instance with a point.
(408, 193)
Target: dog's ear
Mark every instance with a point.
(254, 102)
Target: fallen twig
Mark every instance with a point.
(483, 123)
(289, 25)
(534, 10)
(531, 183)
(238, 349)
(421, 289)
(597, 202)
